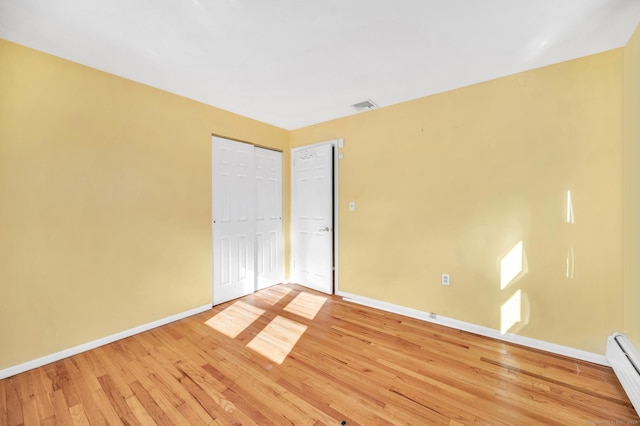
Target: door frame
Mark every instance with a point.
(336, 143)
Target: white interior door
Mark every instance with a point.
(233, 181)
(268, 166)
(312, 217)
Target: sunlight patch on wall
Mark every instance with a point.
(510, 312)
(234, 319)
(306, 305)
(571, 257)
(511, 265)
(570, 218)
(277, 339)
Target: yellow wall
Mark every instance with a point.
(632, 186)
(105, 202)
(450, 183)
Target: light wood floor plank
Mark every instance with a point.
(85, 392)
(61, 408)
(139, 412)
(149, 404)
(78, 416)
(3, 405)
(108, 410)
(14, 408)
(343, 362)
(42, 394)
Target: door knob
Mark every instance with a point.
(325, 229)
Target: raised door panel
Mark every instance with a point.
(312, 217)
(269, 262)
(233, 219)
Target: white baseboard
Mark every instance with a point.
(20, 368)
(478, 329)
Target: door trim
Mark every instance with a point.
(216, 135)
(336, 143)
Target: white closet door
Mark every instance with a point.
(268, 217)
(234, 194)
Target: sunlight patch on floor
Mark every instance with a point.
(277, 339)
(273, 295)
(306, 305)
(235, 318)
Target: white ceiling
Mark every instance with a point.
(292, 63)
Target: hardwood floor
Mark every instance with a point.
(269, 359)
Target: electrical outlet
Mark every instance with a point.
(445, 279)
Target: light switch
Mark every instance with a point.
(352, 206)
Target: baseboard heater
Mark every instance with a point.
(625, 360)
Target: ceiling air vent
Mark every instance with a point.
(364, 105)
